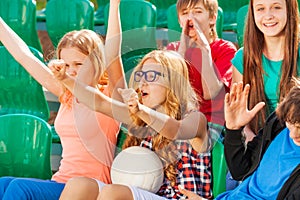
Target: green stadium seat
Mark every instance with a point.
(41, 14)
(20, 15)
(138, 20)
(219, 168)
(230, 9)
(55, 136)
(99, 13)
(25, 146)
(121, 138)
(130, 63)
(240, 20)
(162, 9)
(220, 22)
(19, 91)
(63, 16)
(174, 29)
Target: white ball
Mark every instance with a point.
(139, 167)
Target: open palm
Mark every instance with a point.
(237, 114)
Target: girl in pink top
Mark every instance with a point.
(88, 138)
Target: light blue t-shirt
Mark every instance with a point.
(271, 77)
(278, 162)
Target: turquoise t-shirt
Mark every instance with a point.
(277, 164)
(271, 77)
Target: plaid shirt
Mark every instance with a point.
(193, 171)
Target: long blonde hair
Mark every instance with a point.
(180, 100)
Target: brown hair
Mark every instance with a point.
(180, 100)
(252, 59)
(288, 109)
(210, 5)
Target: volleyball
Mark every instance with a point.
(139, 167)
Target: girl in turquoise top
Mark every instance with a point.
(269, 60)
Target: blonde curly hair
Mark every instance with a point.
(180, 100)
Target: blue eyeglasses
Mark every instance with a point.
(150, 75)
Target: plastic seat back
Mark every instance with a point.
(219, 168)
(25, 146)
(63, 16)
(99, 13)
(123, 133)
(162, 10)
(230, 9)
(20, 15)
(138, 20)
(241, 21)
(130, 63)
(220, 22)
(174, 29)
(41, 13)
(19, 91)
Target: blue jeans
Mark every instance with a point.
(12, 188)
(231, 183)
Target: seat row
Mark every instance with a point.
(17, 117)
(64, 16)
(229, 8)
(139, 37)
(161, 8)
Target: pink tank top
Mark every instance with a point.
(88, 139)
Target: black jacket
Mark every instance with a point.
(242, 162)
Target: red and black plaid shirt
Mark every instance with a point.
(193, 171)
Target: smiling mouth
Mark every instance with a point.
(270, 24)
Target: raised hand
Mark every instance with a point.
(184, 39)
(130, 98)
(58, 68)
(237, 114)
(200, 39)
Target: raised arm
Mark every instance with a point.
(170, 128)
(210, 81)
(20, 51)
(192, 125)
(113, 50)
(236, 78)
(237, 115)
(160, 122)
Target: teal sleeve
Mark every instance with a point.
(237, 60)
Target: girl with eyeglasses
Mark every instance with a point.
(161, 111)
